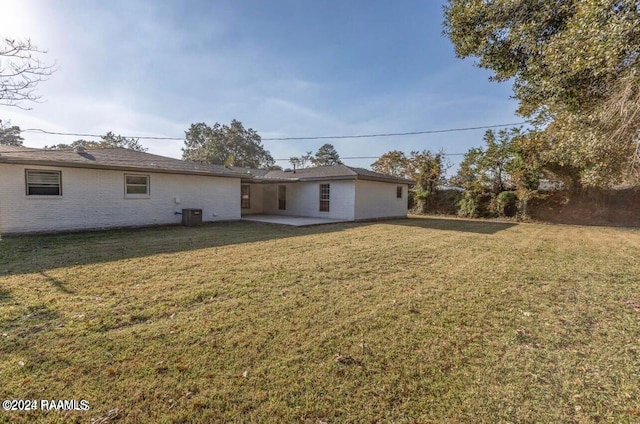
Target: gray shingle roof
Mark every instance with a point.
(249, 171)
(131, 160)
(110, 158)
(335, 172)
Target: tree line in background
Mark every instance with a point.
(10, 135)
(229, 145)
(107, 140)
(325, 156)
(497, 179)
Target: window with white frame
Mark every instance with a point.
(136, 186)
(40, 182)
(324, 197)
(399, 192)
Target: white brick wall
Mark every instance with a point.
(303, 199)
(376, 199)
(95, 198)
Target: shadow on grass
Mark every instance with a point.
(476, 226)
(38, 253)
(5, 295)
(33, 319)
(57, 283)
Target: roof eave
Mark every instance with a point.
(61, 164)
(386, 180)
(263, 180)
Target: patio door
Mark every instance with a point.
(282, 197)
(245, 196)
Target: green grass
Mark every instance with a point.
(417, 320)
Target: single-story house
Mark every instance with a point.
(339, 192)
(62, 190)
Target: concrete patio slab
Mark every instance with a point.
(296, 221)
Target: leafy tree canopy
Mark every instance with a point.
(303, 161)
(510, 160)
(392, 163)
(107, 140)
(226, 145)
(326, 155)
(575, 65)
(426, 168)
(10, 134)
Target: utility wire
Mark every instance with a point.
(393, 134)
(53, 151)
(39, 130)
(144, 137)
(375, 157)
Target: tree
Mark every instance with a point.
(497, 157)
(509, 160)
(21, 70)
(222, 144)
(471, 174)
(487, 168)
(392, 163)
(107, 140)
(526, 167)
(10, 134)
(300, 162)
(326, 155)
(427, 170)
(575, 69)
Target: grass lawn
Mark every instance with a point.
(417, 320)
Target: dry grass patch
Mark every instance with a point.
(418, 320)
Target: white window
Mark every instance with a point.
(136, 186)
(43, 183)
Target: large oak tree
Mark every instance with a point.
(575, 67)
(226, 145)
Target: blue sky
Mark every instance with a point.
(283, 68)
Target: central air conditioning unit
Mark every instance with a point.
(191, 217)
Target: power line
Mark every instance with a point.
(393, 134)
(375, 157)
(144, 137)
(400, 134)
(39, 151)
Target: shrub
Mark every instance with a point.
(468, 206)
(506, 203)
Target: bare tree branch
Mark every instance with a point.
(21, 70)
